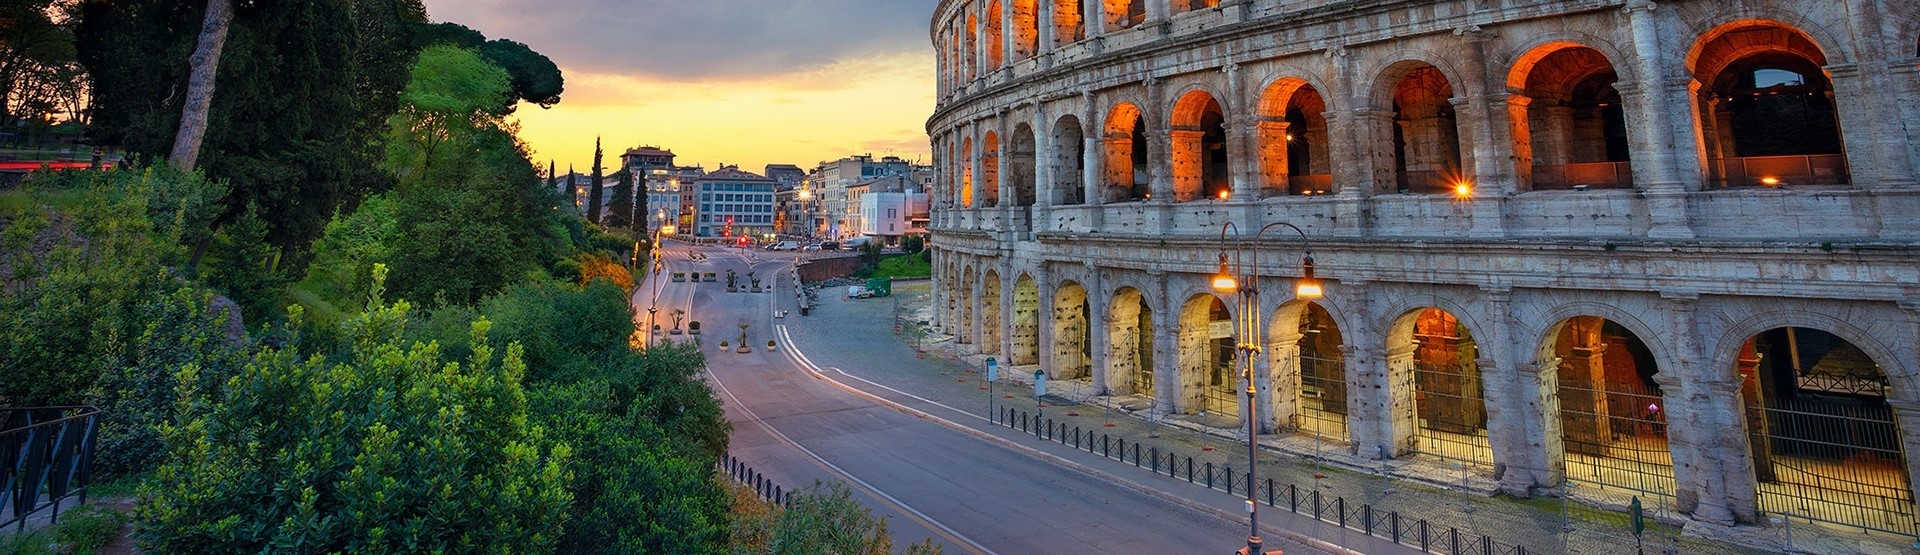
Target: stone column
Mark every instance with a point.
(1003, 174)
(1712, 470)
(1543, 380)
(976, 174)
(1183, 154)
(1281, 370)
(937, 258)
(1905, 409)
(1399, 410)
(1371, 133)
(1043, 156)
(1656, 139)
(1007, 34)
(1096, 318)
(1883, 133)
(1008, 313)
(1166, 345)
(1092, 189)
(1157, 10)
(1044, 43)
(1242, 141)
(1269, 154)
(1556, 136)
(1093, 17)
(1159, 143)
(1486, 152)
(1043, 317)
(1509, 418)
(1519, 139)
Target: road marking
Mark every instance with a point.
(954, 536)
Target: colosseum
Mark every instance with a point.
(1650, 248)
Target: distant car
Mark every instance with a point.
(830, 246)
(856, 243)
(785, 246)
(859, 292)
(811, 248)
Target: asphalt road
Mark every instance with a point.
(928, 480)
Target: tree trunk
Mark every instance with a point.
(205, 63)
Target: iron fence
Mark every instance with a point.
(1616, 436)
(1452, 414)
(46, 458)
(1309, 502)
(1323, 397)
(761, 486)
(1831, 462)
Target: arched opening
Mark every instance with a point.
(1072, 334)
(996, 50)
(1184, 6)
(966, 173)
(1125, 158)
(1426, 134)
(1069, 24)
(1069, 155)
(990, 170)
(1613, 417)
(972, 46)
(1124, 14)
(1293, 140)
(990, 313)
(1130, 345)
(1824, 441)
(968, 291)
(1450, 409)
(1305, 345)
(1209, 384)
(1574, 123)
(1026, 323)
(954, 294)
(1766, 106)
(1022, 165)
(1026, 29)
(1199, 149)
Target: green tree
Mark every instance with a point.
(534, 77)
(393, 449)
(620, 211)
(36, 56)
(595, 188)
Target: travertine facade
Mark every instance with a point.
(1526, 212)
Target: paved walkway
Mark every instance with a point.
(864, 339)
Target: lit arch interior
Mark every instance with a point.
(1293, 140)
(1574, 129)
(1199, 153)
(1767, 111)
(1125, 158)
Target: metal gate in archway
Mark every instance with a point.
(1323, 397)
(1452, 414)
(1834, 462)
(1615, 436)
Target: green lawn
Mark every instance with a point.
(905, 266)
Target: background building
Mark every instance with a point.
(1570, 246)
(733, 203)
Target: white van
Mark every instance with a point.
(785, 246)
(855, 243)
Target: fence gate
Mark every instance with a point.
(1323, 397)
(1452, 414)
(1616, 437)
(1834, 461)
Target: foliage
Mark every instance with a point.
(471, 216)
(596, 188)
(620, 211)
(245, 266)
(913, 244)
(823, 518)
(344, 256)
(634, 491)
(303, 91)
(904, 266)
(39, 77)
(602, 267)
(534, 77)
(394, 448)
(81, 531)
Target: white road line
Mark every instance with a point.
(956, 537)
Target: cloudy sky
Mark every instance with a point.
(748, 82)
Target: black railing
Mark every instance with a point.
(1362, 517)
(46, 457)
(766, 489)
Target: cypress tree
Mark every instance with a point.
(640, 213)
(620, 211)
(596, 188)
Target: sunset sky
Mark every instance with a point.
(748, 82)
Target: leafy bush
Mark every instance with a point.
(393, 449)
(634, 490)
(595, 267)
(823, 518)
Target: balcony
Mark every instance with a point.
(1582, 177)
(1774, 171)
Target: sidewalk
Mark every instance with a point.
(859, 337)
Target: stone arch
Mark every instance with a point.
(990, 321)
(1572, 132)
(1124, 14)
(972, 48)
(966, 172)
(990, 170)
(1021, 165)
(1817, 396)
(969, 290)
(996, 50)
(1072, 333)
(1768, 114)
(1130, 350)
(1198, 128)
(1026, 322)
(1734, 339)
(1183, 6)
(1611, 407)
(1069, 24)
(1293, 139)
(1423, 132)
(1307, 365)
(1124, 155)
(1026, 29)
(1204, 358)
(1069, 160)
(1431, 353)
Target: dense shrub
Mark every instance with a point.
(394, 449)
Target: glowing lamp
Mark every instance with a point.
(1463, 189)
(1223, 195)
(1223, 281)
(1770, 181)
(1308, 288)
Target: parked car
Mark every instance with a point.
(811, 248)
(784, 246)
(829, 246)
(858, 292)
(856, 243)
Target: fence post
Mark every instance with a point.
(1293, 498)
(1229, 472)
(1269, 492)
(1106, 445)
(1316, 504)
(1341, 503)
(1189, 470)
(1453, 539)
(1153, 453)
(1209, 474)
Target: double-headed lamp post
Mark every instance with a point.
(1233, 278)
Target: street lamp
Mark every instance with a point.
(1225, 281)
